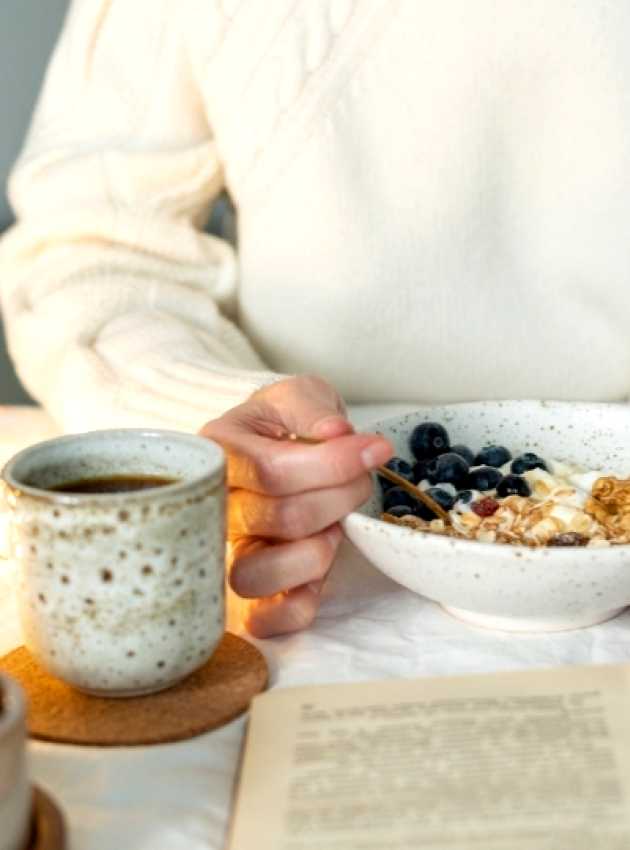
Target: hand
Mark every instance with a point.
(286, 498)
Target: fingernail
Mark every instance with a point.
(376, 453)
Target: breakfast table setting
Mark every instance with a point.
(176, 795)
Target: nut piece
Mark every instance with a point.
(568, 538)
(610, 504)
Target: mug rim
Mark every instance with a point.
(14, 705)
(214, 478)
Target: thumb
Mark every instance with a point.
(328, 426)
(308, 407)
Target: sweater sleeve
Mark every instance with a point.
(118, 309)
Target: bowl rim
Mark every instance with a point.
(583, 553)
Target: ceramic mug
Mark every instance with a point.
(120, 593)
(15, 789)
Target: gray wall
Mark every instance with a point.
(28, 29)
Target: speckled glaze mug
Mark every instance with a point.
(120, 593)
(15, 789)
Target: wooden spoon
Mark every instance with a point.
(414, 491)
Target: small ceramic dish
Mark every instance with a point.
(501, 586)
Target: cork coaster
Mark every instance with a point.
(213, 695)
(48, 830)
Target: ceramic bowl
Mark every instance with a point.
(512, 588)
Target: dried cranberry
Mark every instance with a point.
(485, 507)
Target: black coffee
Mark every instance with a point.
(114, 484)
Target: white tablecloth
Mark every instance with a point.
(177, 796)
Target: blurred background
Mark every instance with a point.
(28, 29)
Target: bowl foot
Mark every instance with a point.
(532, 624)
(122, 694)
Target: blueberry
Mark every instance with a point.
(513, 485)
(448, 468)
(527, 461)
(398, 496)
(428, 440)
(484, 478)
(400, 510)
(401, 467)
(442, 497)
(465, 452)
(465, 497)
(493, 456)
(420, 470)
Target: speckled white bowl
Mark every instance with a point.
(498, 586)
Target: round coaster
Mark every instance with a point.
(48, 830)
(213, 695)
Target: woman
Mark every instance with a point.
(432, 203)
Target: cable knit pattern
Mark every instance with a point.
(296, 60)
(432, 204)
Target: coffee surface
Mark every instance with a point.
(114, 484)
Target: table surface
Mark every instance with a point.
(177, 796)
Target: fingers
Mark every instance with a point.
(286, 497)
(262, 459)
(281, 583)
(282, 468)
(293, 517)
(281, 614)
(260, 569)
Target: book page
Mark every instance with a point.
(536, 760)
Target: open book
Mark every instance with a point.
(537, 760)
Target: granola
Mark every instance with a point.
(490, 495)
(555, 514)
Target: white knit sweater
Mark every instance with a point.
(433, 202)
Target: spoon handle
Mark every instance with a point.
(414, 491)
